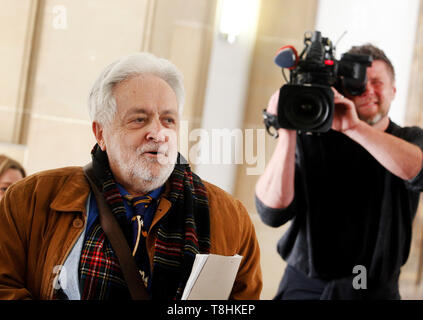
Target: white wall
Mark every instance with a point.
(390, 25)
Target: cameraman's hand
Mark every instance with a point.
(345, 115)
(272, 108)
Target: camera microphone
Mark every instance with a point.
(287, 57)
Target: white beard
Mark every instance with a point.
(138, 170)
(375, 119)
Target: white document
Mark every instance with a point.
(212, 277)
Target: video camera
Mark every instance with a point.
(306, 101)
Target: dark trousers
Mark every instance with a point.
(296, 285)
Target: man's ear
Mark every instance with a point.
(98, 133)
(394, 91)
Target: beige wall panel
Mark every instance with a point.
(69, 59)
(17, 152)
(7, 121)
(286, 18)
(182, 32)
(187, 54)
(414, 113)
(14, 23)
(55, 143)
(169, 12)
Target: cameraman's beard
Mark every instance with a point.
(375, 119)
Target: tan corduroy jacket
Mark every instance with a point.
(42, 216)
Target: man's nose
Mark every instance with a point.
(369, 89)
(155, 131)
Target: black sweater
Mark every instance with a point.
(347, 210)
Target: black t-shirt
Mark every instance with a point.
(348, 209)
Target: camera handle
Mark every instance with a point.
(271, 121)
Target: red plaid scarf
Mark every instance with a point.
(183, 232)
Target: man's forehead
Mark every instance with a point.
(145, 94)
(139, 82)
(379, 68)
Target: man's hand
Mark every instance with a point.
(345, 115)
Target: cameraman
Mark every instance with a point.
(351, 193)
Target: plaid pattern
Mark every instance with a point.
(100, 270)
(182, 232)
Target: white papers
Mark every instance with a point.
(212, 277)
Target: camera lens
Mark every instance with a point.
(305, 107)
(307, 110)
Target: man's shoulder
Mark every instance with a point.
(219, 198)
(51, 177)
(216, 191)
(62, 189)
(59, 172)
(409, 133)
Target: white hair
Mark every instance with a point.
(102, 103)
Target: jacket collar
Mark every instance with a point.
(73, 195)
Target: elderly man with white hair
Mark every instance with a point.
(58, 235)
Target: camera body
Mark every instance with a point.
(306, 101)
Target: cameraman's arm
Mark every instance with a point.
(275, 187)
(398, 156)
